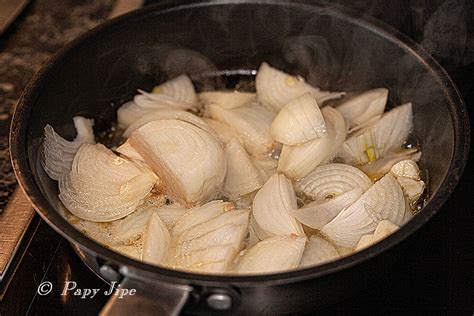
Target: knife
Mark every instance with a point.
(9, 10)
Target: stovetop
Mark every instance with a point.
(436, 273)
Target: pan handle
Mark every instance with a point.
(138, 295)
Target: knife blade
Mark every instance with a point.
(9, 10)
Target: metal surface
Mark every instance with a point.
(9, 10)
(219, 302)
(261, 293)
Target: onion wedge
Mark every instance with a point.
(318, 251)
(164, 115)
(242, 176)
(103, 187)
(364, 107)
(384, 136)
(298, 161)
(251, 122)
(188, 159)
(58, 153)
(299, 121)
(156, 241)
(227, 99)
(272, 206)
(212, 245)
(384, 200)
(272, 255)
(174, 94)
(276, 88)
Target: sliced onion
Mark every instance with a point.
(58, 153)
(170, 215)
(130, 112)
(408, 175)
(272, 206)
(242, 176)
(331, 180)
(299, 121)
(384, 229)
(128, 151)
(318, 251)
(364, 107)
(131, 227)
(180, 89)
(251, 122)
(378, 168)
(175, 94)
(317, 214)
(365, 241)
(276, 88)
(103, 187)
(298, 161)
(413, 189)
(223, 132)
(188, 159)
(406, 168)
(386, 135)
(266, 167)
(200, 214)
(164, 115)
(272, 255)
(384, 200)
(227, 99)
(212, 245)
(156, 241)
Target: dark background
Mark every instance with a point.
(436, 274)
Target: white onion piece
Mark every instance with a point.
(58, 153)
(156, 241)
(386, 135)
(331, 180)
(408, 175)
(227, 99)
(406, 168)
(317, 214)
(365, 241)
(242, 176)
(384, 200)
(180, 89)
(276, 88)
(212, 245)
(103, 187)
(200, 214)
(266, 167)
(299, 121)
(128, 151)
(364, 107)
(318, 251)
(170, 215)
(188, 159)
(384, 229)
(131, 227)
(272, 206)
(412, 188)
(271, 255)
(223, 132)
(378, 168)
(175, 94)
(164, 115)
(251, 122)
(298, 161)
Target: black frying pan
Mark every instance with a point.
(217, 43)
